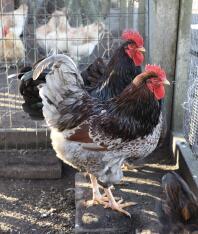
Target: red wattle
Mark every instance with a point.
(159, 92)
(138, 58)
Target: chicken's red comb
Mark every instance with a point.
(130, 35)
(156, 69)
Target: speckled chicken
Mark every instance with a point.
(97, 137)
(178, 212)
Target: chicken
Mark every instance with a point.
(15, 20)
(94, 74)
(83, 34)
(97, 137)
(123, 66)
(58, 35)
(178, 212)
(64, 40)
(51, 26)
(11, 47)
(99, 79)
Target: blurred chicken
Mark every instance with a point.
(178, 212)
(15, 20)
(58, 35)
(83, 34)
(11, 47)
(50, 26)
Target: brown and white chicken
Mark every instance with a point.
(97, 137)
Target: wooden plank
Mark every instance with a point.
(24, 138)
(163, 29)
(30, 164)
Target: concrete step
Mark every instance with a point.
(96, 219)
(30, 164)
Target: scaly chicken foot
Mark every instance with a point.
(97, 197)
(118, 206)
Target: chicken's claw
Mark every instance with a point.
(119, 207)
(98, 199)
(116, 205)
(101, 199)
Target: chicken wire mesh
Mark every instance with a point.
(31, 30)
(191, 104)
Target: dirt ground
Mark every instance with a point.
(48, 206)
(37, 206)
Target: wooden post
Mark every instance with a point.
(163, 29)
(182, 64)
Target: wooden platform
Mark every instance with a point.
(96, 219)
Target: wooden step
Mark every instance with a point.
(96, 219)
(30, 164)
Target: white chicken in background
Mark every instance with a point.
(11, 47)
(15, 20)
(58, 35)
(50, 26)
(82, 34)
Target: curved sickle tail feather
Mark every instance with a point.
(58, 58)
(63, 88)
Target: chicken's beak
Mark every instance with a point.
(141, 49)
(166, 82)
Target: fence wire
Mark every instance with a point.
(191, 104)
(33, 29)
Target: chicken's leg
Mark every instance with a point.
(98, 198)
(118, 206)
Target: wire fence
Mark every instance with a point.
(191, 104)
(30, 30)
